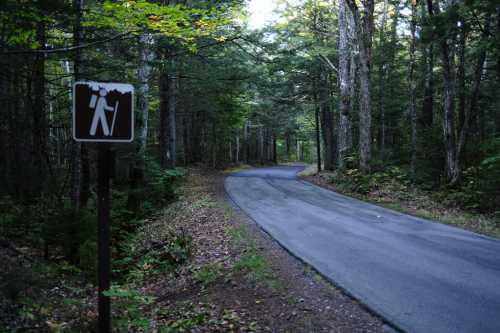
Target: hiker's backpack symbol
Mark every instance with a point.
(103, 112)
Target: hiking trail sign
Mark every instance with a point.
(103, 112)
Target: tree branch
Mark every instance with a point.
(328, 63)
(70, 48)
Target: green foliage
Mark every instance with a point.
(161, 182)
(204, 201)
(130, 306)
(178, 21)
(209, 273)
(170, 250)
(256, 267)
(353, 180)
(480, 186)
(88, 260)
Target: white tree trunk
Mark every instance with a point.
(344, 128)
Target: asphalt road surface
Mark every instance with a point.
(419, 275)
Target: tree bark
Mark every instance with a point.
(461, 75)
(427, 115)
(448, 63)
(471, 113)
(172, 104)
(144, 72)
(164, 117)
(298, 151)
(275, 154)
(39, 116)
(246, 143)
(75, 146)
(168, 93)
(237, 149)
(344, 128)
(381, 83)
(364, 32)
(412, 92)
(327, 121)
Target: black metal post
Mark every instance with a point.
(104, 269)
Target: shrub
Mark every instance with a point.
(88, 260)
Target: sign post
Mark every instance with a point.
(104, 264)
(103, 113)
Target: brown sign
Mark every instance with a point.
(103, 112)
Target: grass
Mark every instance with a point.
(204, 201)
(257, 268)
(209, 273)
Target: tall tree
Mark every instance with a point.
(75, 146)
(327, 120)
(381, 80)
(344, 128)
(412, 91)
(448, 63)
(363, 20)
(427, 113)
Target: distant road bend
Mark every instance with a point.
(421, 276)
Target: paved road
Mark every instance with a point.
(421, 276)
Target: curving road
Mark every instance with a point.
(421, 276)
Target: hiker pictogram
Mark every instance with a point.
(100, 106)
(103, 112)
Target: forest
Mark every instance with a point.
(383, 100)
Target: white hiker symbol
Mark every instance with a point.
(99, 104)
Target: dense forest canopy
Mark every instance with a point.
(356, 86)
(393, 82)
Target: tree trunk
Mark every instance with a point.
(75, 146)
(172, 103)
(412, 92)
(237, 149)
(275, 154)
(164, 117)
(298, 151)
(428, 101)
(327, 121)
(144, 72)
(364, 32)
(478, 74)
(448, 63)
(497, 116)
(381, 83)
(261, 144)
(461, 75)
(391, 65)
(288, 144)
(344, 128)
(318, 138)
(39, 116)
(136, 177)
(246, 143)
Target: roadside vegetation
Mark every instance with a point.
(392, 188)
(193, 264)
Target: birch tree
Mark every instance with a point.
(344, 128)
